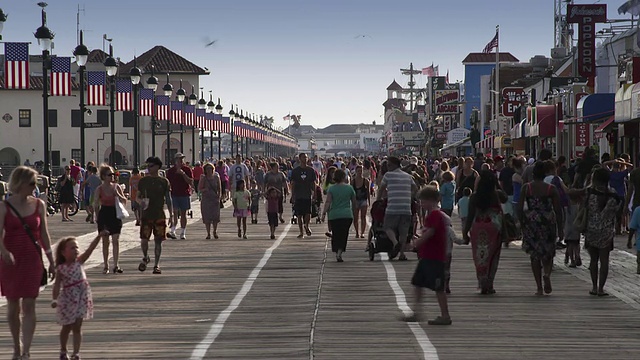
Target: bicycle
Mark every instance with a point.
(53, 205)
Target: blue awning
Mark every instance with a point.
(595, 107)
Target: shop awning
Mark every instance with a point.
(466, 142)
(546, 116)
(607, 125)
(596, 107)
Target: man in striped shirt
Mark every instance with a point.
(399, 188)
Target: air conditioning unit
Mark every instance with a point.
(559, 53)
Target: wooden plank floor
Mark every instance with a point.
(351, 314)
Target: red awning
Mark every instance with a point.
(546, 120)
(605, 125)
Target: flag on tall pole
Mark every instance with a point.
(176, 112)
(124, 100)
(162, 107)
(446, 78)
(430, 71)
(16, 65)
(493, 44)
(96, 86)
(146, 102)
(60, 76)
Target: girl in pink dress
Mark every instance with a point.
(72, 293)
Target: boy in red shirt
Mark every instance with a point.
(432, 251)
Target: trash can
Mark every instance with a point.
(123, 179)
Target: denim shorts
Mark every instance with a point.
(182, 203)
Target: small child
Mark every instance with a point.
(72, 293)
(432, 251)
(255, 201)
(463, 205)
(447, 192)
(434, 184)
(634, 224)
(241, 200)
(272, 196)
(571, 233)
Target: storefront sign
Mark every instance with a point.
(582, 134)
(446, 121)
(446, 101)
(586, 16)
(456, 135)
(441, 136)
(512, 97)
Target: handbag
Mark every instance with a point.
(27, 229)
(121, 211)
(582, 217)
(510, 229)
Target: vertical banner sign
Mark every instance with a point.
(586, 16)
(582, 134)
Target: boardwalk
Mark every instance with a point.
(288, 299)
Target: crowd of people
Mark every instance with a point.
(553, 202)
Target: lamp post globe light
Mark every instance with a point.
(236, 119)
(219, 112)
(81, 53)
(211, 108)
(181, 95)
(202, 105)
(167, 90)
(45, 37)
(232, 115)
(111, 67)
(135, 74)
(241, 140)
(152, 84)
(193, 100)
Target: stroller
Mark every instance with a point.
(378, 241)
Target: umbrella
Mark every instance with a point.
(630, 7)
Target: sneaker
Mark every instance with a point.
(183, 234)
(171, 235)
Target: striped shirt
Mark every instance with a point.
(398, 185)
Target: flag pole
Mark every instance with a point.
(497, 85)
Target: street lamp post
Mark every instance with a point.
(3, 18)
(202, 105)
(241, 140)
(181, 94)
(135, 74)
(111, 66)
(211, 108)
(232, 115)
(193, 100)
(167, 89)
(45, 36)
(219, 111)
(82, 54)
(152, 83)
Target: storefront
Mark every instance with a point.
(518, 141)
(592, 110)
(545, 126)
(604, 135)
(626, 137)
(486, 146)
(458, 148)
(502, 145)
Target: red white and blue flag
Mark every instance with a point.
(225, 125)
(200, 118)
(124, 100)
(189, 115)
(60, 76)
(162, 107)
(176, 112)
(16, 65)
(146, 102)
(210, 119)
(96, 85)
(491, 45)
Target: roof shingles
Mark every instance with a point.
(164, 61)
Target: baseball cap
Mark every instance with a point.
(178, 155)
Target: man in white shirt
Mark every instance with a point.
(237, 172)
(318, 166)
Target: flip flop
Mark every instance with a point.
(594, 293)
(440, 321)
(600, 294)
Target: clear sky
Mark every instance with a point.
(273, 57)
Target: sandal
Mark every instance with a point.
(547, 284)
(440, 321)
(215, 235)
(600, 294)
(117, 270)
(593, 292)
(402, 258)
(156, 270)
(105, 271)
(208, 237)
(410, 318)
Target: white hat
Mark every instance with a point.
(531, 161)
(178, 155)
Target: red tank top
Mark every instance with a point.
(107, 200)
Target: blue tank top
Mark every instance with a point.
(516, 191)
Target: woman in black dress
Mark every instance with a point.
(65, 193)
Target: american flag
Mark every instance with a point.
(124, 100)
(96, 84)
(237, 128)
(176, 112)
(146, 102)
(60, 76)
(491, 45)
(162, 106)
(210, 118)
(200, 118)
(189, 115)
(225, 126)
(429, 71)
(16, 65)
(217, 122)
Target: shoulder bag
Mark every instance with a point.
(27, 229)
(582, 217)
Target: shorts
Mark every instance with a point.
(429, 274)
(182, 203)
(255, 208)
(302, 207)
(241, 213)
(399, 224)
(156, 226)
(135, 206)
(273, 219)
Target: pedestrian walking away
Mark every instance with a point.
(181, 179)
